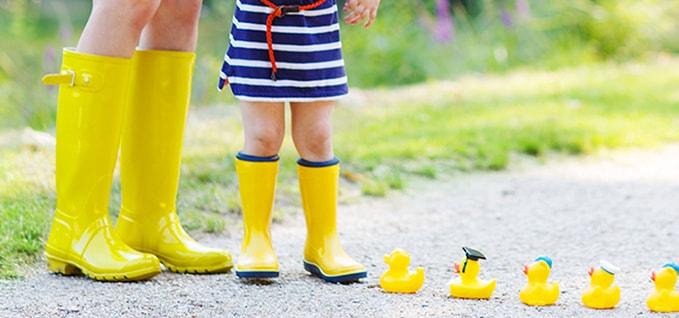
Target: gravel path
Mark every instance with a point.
(621, 207)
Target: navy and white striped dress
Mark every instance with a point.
(307, 50)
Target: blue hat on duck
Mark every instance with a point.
(544, 259)
(672, 266)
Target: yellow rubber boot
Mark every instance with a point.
(89, 118)
(257, 181)
(323, 254)
(153, 132)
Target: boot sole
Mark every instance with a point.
(257, 274)
(68, 268)
(198, 270)
(342, 279)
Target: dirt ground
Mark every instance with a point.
(617, 206)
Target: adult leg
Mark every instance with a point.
(94, 81)
(114, 27)
(152, 140)
(174, 27)
(318, 172)
(257, 168)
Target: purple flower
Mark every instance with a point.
(523, 9)
(443, 30)
(507, 19)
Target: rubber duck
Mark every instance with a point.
(601, 294)
(537, 292)
(398, 279)
(467, 285)
(664, 298)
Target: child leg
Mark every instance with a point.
(318, 172)
(257, 168)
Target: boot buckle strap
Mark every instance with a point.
(85, 80)
(67, 77)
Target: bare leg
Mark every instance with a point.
(174, 27)
(153, 131)
(264, 128)
(318, 174)
(89, 121)
(257, 168)
(312, 130)
(114, 27)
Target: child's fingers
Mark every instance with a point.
(351, 18)
(358, 14)
(371, 18)
(359, 11)
(349, 5)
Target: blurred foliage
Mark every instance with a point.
(402, 47)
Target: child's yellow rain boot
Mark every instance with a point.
(257, 181)
(323, 254)
(150, 159)
(89, 118)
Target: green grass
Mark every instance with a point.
(384, 138)
(26, 200)
(479, 122)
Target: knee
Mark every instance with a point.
(317, 147)
(264, 141)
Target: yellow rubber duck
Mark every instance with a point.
(467, 285)
(601, 294)
(398, 279)
(537, 292)
(664, 298)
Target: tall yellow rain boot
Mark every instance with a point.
(257, 181)
(153, 132)
(89, 118)
(323, 254)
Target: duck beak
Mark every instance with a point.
(653, 276)
(457, 268)
(525, 269)
(590, 271)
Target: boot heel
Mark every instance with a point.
(61, 267)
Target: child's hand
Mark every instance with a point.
(359, 10)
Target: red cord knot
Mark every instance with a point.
(278, 12)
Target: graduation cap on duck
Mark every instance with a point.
(471, 254)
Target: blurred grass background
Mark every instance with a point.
(407, 44)
(438, 86)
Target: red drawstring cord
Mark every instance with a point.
(281, 11)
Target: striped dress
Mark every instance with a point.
(306, 48)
